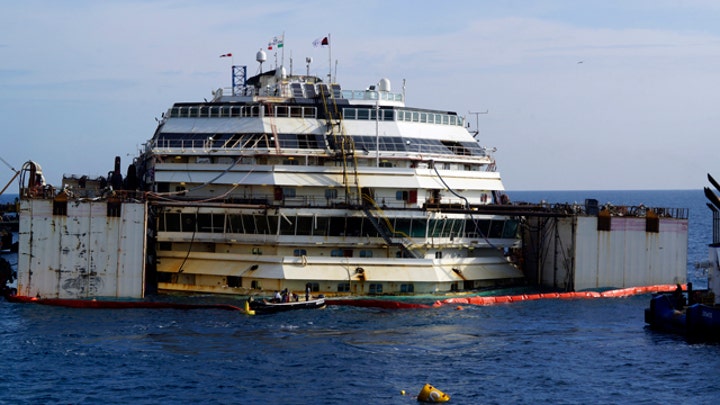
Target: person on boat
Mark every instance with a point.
(278, 297)
(307, 291)
(678, 298)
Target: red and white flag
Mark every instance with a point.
(226, 55)
(324, 41)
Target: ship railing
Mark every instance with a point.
(372, 95)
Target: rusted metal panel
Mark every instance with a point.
(83, 254)
(628, 255)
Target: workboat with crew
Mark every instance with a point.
(281, 181)
(695, 314)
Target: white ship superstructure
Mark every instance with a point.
(285, 181)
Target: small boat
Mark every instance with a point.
(269, 307)
(695, 314)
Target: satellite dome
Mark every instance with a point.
(261, 56)
(384, 84)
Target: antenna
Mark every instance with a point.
(477, 121)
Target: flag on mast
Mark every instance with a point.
(324, 41)
(226, 55)
(277, 42)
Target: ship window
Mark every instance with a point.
(349, 113)
(114, 209)
(234, 224)
(299, 252)
(248, 224)
(366, 253)
(288, 192)
(337, 226)
(172, 223)
(402, 226)
(304, 225)
(336, 253)
(343, 287)
(204, 223)
(376, 288)
(354, 226)
(321, 226)
(234, 281)
(423, 117)
(255, 285)
(438, 254)
(363, 113)
(510, 229)
(287, 225)
(60, 208)
(418, 228)
(288, 141)
(496, 229)
(407, 288)
(281, 111)
(256, 251)
(265, 224)
(330, 193)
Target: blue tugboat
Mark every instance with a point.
(695, 314)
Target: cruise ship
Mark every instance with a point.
(282, 181)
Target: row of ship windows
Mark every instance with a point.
(263, 224)
(283, 111)
(365, 143)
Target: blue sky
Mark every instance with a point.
(83, 81)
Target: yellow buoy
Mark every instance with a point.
(247, 308)
(432, 394)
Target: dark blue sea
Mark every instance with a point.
(546, 351)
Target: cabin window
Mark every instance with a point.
(287, 225)
(256, 251)
(304, 225)
(255, 285)
(407, 288)
(330, 193)
(234, 281)
(299, 252)
(337, 226)
(288, 192)
(336, 253)
(438, 254)
(510, 229)
(496, 229)
(376, 288)
(366, 253)
(343, 287)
